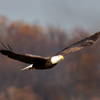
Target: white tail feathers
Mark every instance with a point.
(28, 67)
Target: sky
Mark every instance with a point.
(67, 14)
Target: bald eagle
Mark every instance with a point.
(39, 62)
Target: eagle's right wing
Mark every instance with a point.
(89, 41)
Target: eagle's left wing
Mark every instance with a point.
(22, 57)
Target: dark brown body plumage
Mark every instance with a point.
(37, 61)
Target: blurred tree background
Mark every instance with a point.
(76, 78)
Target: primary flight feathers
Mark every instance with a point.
(39, 62)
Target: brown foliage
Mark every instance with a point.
(76, 78)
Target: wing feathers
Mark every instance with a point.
(23, 58)
(80, 44)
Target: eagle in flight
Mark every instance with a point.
(41, 63)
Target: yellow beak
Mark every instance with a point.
(61, 57)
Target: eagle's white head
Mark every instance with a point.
(56, 59)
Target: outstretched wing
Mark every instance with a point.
(30, 59)
(89, 41)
